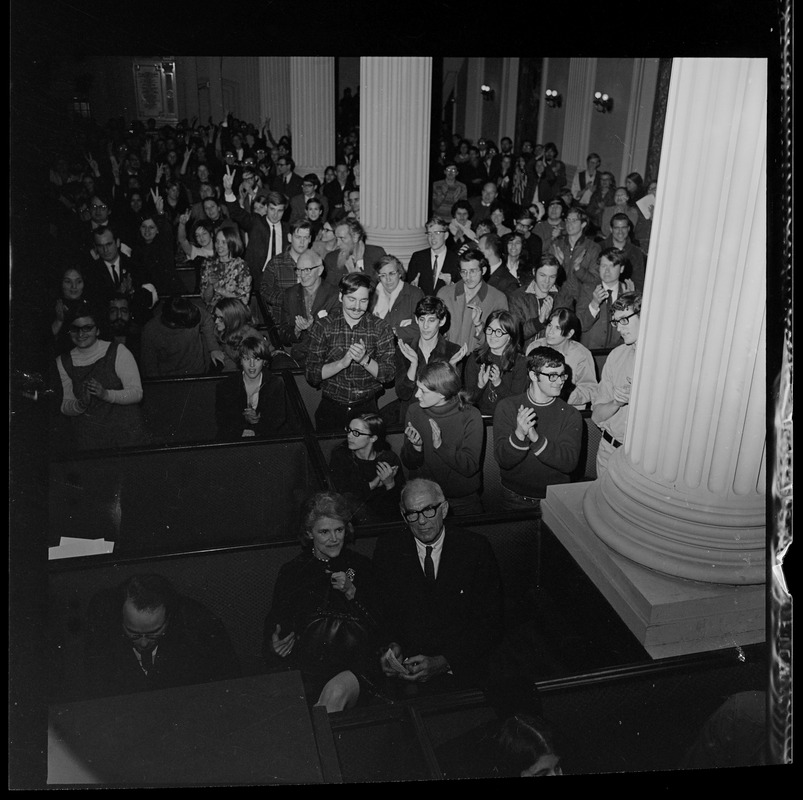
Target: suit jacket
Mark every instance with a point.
(370, 258)
(298, 207)
(100, 287)
(404, 307)
(276, 418)
(634, 268)
(258, 231)
(289, 188)
(502, 279)
(420, 267)
(481, 212)
(459, 616)
(196, 648)
(334, 194)
(326, 300)
(461, 328)
(597, 332)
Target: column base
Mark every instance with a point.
(669, 616)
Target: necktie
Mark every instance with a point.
(147, 660)
(429, 566)
(435, 273)
(272, 249)
(115, 275)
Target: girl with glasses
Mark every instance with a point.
(497, 368)
(444, 437)
(365, 469)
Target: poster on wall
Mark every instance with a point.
(155, 88)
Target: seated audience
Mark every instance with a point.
(253, 402)
(394, 299)
(446, 192)
(70, 295)
(226, 274)
(436, 266)
(561, 334)
(497, 368)
(533, 302)
(366, 471)
(233, 323)
(100, 386)
(122, 328)
(436, 642)
(144, 635)
(179, 340)
(322, 620)
(537, 436)
(444, 435)
(353, 253)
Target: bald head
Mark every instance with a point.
(309, 268)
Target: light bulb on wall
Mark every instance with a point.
(603, 102)
(553, 98)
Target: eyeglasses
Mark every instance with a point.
(99, 205)
(76, 329)
(384, 275)
(498, 333)
(554, 376)
(623, 321)
(469, 272)
(307, 270)
(355, 432)
(135, 635)
(428, 512)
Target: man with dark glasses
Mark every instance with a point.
(441, 596)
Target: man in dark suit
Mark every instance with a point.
(287, 182)
(482, 204)
(112, 272)
(440, 595)
(267, 234)
(499, 276)
(143, 635)
(335, 190)
(310, 188)
(436, 266)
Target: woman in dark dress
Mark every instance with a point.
(321, 620)
(367, 471)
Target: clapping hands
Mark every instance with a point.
(414, 437)
(526, 420)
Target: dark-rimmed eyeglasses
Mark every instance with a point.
(554, 376)
(306, 270)
(76, 329)
(497, 333)
(355, 432)
(428, 512)
(623, 321)
(151, 635)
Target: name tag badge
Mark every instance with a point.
(322, 313)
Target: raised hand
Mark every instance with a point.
(546, 308)
(414, 437)
(185, 217)
(158, 201)
(483, 375)
(410, 353)
(357, 351)
(386, 474)
(598, 298)
(437, 436)
(494, 375)
(228, 179)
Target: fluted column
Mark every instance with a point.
(639, 116)
(312, 112)
(685, 495)
(395, 99)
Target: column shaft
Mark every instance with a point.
(312, 113)
(394, 151)
(685, 495)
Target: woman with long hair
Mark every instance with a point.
(366, 470)
(70, 294)
(444, 437)
(233, 323)
(497, 368)
(226, 274)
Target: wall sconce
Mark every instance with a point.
(553, 98)
(603, 102)
(487, 92)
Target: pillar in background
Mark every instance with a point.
(579, 110)
(395, 112)
(639, 116)
(686, 493)
(312, 113)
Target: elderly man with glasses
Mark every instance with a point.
(441, 597)
(537, 436)
(612, 403)
(144, 635)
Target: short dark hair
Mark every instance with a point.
(431, 305)
(616, 257)
(313, 179)
(355, 280)
(179, 312)
(353, 226)
(542, 357)
(493, 243)
(276, 199)
(256, 346)
(621, 216)
(464, 204)
(628, 301)
(567, 321)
